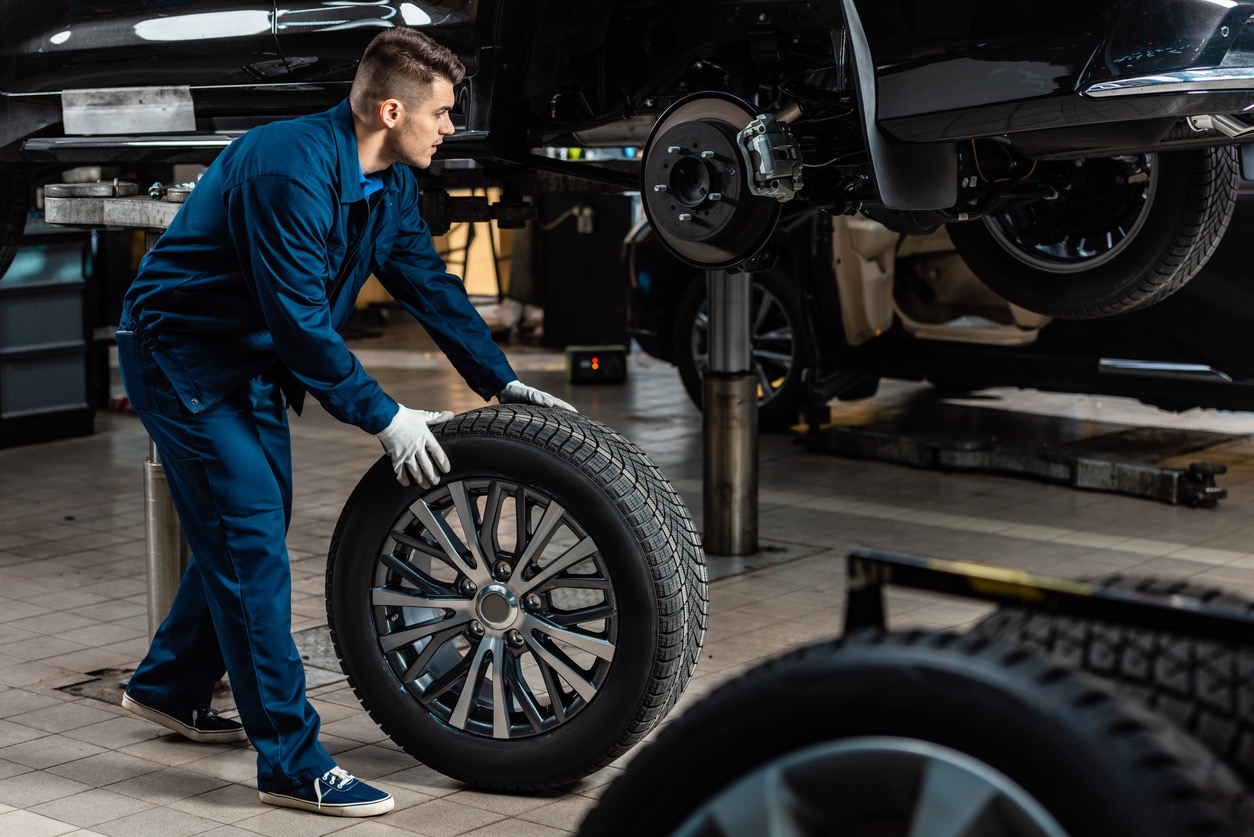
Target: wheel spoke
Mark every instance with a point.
(951, 801)
(568, 673)
(488, 544)
(783, 359)
(522, 693)
(545, 530)
(762, 809)
(500, 707)
(439, 529)
(406, 570)
(588, 582)
(447, 680)
(420, 663)
(599, 648)
(764, 381)
(554, 689)
(764, 309)
(566, 618)
(413, 633)
(391, 597)
(470, 526)
(461, 712)
(565, 561)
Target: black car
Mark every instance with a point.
(849, 302)
(1080, 150)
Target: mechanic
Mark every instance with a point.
(234, 312)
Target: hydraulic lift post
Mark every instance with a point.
(103, 205)
(730, 419)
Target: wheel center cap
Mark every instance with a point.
(497, 606)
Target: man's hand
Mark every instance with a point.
(516, 392)
(415, 452)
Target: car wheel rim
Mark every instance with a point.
(886, 786)
(494, 608)
(773, 345)
(1063, 236)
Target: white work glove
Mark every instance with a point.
(415, 452)
(516, 392)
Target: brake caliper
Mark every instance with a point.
(772, 158)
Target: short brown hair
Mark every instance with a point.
(401, 64)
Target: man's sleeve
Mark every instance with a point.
(416, 277)
(279, 226)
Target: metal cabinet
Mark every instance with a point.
(43, 339)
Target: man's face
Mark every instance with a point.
(423, 127)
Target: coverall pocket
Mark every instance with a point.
(134, 366)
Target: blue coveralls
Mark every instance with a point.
(239, 299)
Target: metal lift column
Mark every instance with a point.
(118, 206)
(730, 415)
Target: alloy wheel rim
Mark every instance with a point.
(773, 345)
(1082, 252)
(494, 608)
(883, 785)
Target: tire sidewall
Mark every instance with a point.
(379, 502)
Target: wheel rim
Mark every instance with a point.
(889, 787)
(771, 332)
(494, 608)
(1047, 235)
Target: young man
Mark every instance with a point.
(236, 308)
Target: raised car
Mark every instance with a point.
(1082, 152)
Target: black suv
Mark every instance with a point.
(1081, 150)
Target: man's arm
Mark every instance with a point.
(417, 278)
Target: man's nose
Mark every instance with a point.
(446, 126)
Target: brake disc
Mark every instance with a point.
(694, 184)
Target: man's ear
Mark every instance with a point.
(390, 111)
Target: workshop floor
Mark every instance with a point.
(72, 588)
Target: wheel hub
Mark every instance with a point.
(497, 607)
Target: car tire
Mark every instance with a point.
(777, 346)
(880, 733)
(1204, 687)
(14, 205)
(1162, 231)
(588, 595)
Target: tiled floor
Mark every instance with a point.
(72, 590)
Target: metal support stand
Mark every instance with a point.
(166, 548)
(119, 206)
(730, 417)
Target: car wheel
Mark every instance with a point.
(1204, 687)
(14, 205)
(530, 618)
(1130, 232)
(921, 733)
(775, 317)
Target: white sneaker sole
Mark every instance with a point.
(358, 809)
(225, 736)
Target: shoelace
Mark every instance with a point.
(197, 714)
(334, 773)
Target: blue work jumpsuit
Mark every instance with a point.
(236, 307)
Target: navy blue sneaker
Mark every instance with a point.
(335, 793)
(202, 725)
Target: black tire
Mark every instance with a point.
(14, 206)
(1170, 235)
(838, 738)
(618, 617)
(776, 336)
(1204, 687)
